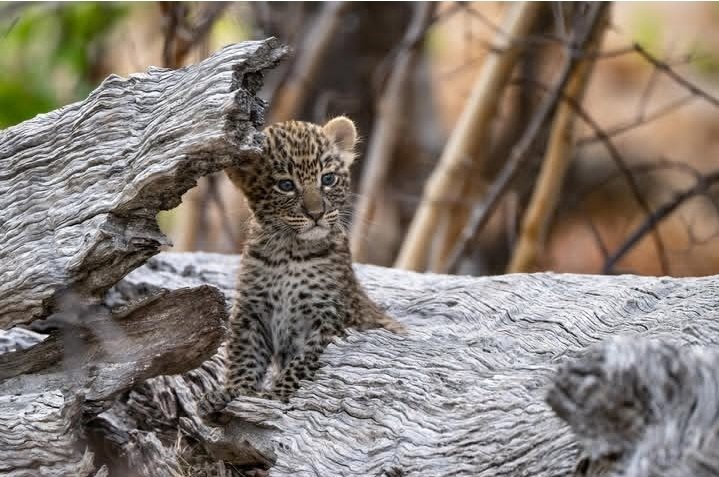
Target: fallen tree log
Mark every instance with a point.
(81, 186)
(462, 394)
(46, 388)
(80, 189)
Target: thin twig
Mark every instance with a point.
(642, 168)
(597, 238)
(496, 29)
(621, 165)
(521, 151)
(679, 79)
(646, 93)
(462, 147)
(536, 40)
(641, 121)
(701, 186)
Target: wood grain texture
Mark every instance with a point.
(82, 366)
(462, 394)
(55, 448)
(80, 187)
(642, 408)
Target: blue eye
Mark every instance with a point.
(329, 179)
(286, 185)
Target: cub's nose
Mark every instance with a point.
(314, 214)
(312, 204)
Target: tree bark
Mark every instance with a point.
(642, 408)
(80, 191)
(82, 366)
(81, 186)
(112, 383)
(463, 393)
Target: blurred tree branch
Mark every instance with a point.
(290, 98)
(445, 183)
(181, 35)
(621, 164)
(676, 77)
(547, 189)
(638, 122)
(703, 182)
(387, 126)
(584, 30)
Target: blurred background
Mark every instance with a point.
(496, 137)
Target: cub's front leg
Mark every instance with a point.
(324, 327)
(248, 355)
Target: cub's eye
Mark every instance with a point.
(286, 185)
(329, 179)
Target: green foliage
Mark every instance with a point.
(49, 55)
(647, 30)
(705, 61)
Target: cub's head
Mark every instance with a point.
(301, 184)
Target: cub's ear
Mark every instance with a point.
(341, 131)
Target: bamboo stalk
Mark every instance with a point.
(468, 136)
(291, 96)
(584, 33)
(387, 128)
(549, 182)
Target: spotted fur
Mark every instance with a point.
(296, 289)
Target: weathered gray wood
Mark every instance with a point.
(55, 448)
(18, 338)
(642, 408)
(80, 187)
(96, 355)
(462, 394)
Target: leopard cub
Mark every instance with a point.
(296, 288)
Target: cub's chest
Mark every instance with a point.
(295, 291)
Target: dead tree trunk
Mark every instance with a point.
(80, 190)
(462, 394)
(643, 407)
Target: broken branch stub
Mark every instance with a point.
(80, 187)
(642, 408)
(79, 369)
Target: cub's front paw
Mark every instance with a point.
(395, 327)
